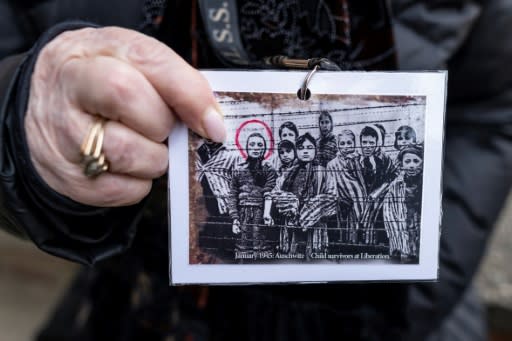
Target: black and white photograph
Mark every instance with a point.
(334, 180)
(339, 181)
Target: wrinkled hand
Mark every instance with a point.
(138, 84)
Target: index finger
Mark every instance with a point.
(182, 87)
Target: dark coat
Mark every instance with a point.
(249, 185)
(327, 148)
(465, 36)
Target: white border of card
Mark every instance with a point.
(429, 84)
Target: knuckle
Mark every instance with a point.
(119, 86)
(116, 33)
(202, 85)
(67, 73)
(82, 33)
(57, 45)
(120, 152)
(196, 100)
(68, 44)
(146, 50)
(127, 154)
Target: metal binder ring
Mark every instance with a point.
(303, 91)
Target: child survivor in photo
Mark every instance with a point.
(339, 180)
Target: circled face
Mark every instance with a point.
(411, 164)
(346, 145)
(255, 147)
(288, 134)
(306, 152)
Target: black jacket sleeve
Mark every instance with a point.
(28, 207)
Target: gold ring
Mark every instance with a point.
(93, 158)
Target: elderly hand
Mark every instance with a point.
(138, 85)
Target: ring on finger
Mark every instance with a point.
(93, 158)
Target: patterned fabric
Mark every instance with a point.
(353, 34)
(248, 186)
(335, 179)
(216, 168)
(327, 149)
(336, 186)
(284, 207)
(246, 200)
(402, 213)
(153, 11)
(282, 174)
(366, 198)
(252, 232)
(308, 183)
(285, 204)
(295, 28)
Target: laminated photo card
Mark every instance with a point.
(342, 186)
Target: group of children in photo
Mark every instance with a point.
(321, 195)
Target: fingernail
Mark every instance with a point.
(219, 109)
(213, 124)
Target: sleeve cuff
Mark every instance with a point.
(57, 224)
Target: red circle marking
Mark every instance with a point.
(267, 129)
